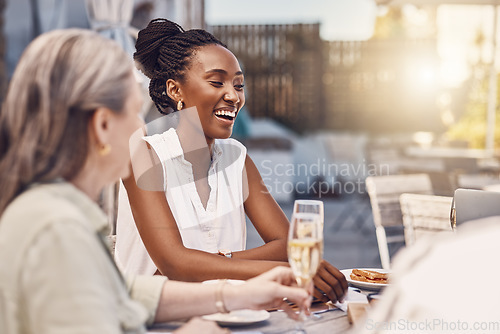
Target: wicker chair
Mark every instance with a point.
(425, 215)
(384, 192)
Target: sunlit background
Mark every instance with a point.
(408, 66)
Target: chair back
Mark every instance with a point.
(425, 215)
(384, 192)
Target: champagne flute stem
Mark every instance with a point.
(301, 317)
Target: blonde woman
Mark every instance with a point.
(72, 105)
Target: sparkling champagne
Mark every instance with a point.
(304, 256)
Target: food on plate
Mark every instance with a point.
(371, 276)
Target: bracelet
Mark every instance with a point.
(219, 299)
(226, 253)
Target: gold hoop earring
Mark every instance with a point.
(180, 105)
(104, 149)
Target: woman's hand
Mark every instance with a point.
(182, 300)
(268, 290)
(198, 325)
(329, 283)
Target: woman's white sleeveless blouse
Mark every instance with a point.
(220, 226)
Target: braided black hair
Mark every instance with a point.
(164, 51)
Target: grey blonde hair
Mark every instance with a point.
(62, 77)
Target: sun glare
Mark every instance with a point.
(426, 75)
(452, 73)
(457, 41)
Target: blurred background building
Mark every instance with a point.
(306, 83)
(283, 67)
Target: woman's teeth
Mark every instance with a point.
(227, 113)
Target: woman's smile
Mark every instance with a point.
(226, 115)
(214, 85)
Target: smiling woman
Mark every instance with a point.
(72, 104)
(193, 227)
(214, 85)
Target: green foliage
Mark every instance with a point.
(472, 126)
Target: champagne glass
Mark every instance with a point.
(305, 244)
(310, 206)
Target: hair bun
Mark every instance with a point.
(150, 40)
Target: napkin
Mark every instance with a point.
(353, 296)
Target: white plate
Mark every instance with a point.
(238, 318)
(364, 285)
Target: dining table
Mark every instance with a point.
(328, 317)
(333, 321)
